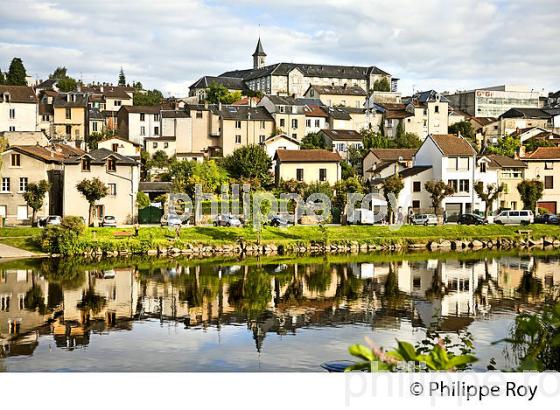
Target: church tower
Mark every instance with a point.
(259, 56)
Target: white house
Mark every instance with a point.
(342, 140)
(137, 122)
(121, 146)
(18, 108)
(280, 141)
(316, 119)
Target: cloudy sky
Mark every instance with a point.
(167, 44)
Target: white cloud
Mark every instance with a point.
(439, 44)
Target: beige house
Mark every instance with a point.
(486, 129)
(165, 144)
(510, 173)
(121, 146)
(70, 116)
(21, 138)
(288, 114)
(279, 141)
(344, 95)
(342, 140)
(205, 130)
(519, 118)
(307, 166)
(543, 165)
(381, 162)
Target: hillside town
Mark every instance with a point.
(281, 127)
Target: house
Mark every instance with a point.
(392, 115)
(279, 141)
(121, 146)
(453, 160)
(316, 118)
(510, 173)
(18, 108)
(21, 138)
(288, 114)
(96, 121)
(494, 101)
(176, 131)
(136, 122)
(206, 131)
(165, 144)
(543, 164)
(22, 165)
(295, 78)
(377, 161)
(486, 129)
(200, 87)
(518, 118)
(431, 113)
(121, 174)
(45, 116)
(339, 118)
(243, 125)
(342, 140)
(307, 166)
(70, 116)
(338, 95)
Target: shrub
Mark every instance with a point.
(74, 224)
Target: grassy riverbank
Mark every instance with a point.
(150, 237)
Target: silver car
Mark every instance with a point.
(109, 220)
(227, 220)
(425, 219)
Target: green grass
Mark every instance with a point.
(24, 238)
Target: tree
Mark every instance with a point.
(345, 187)
(93, 139)
(16, 73)
(507, 145)
(142, 200)
(122, 78)
(313, 140)
(533, 143)
(408, 140)
(137, 85)
(489, 195)
(530, 191)
(178, 172)
(93, 190)
(464, 128)
(382, 85)
(372, 139)
(438, 191)
(58, 73)
(159, 159)
(392, 186)
(67, 84)
(218, 93)
(35, 196)
(149, 97)
(249, 162)
(2, 78)
(208, 175)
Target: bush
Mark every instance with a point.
(74, 224)
(65, 238)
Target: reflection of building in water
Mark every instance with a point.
(514, 273)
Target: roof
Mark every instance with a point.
(394, 154)
(452, 146)
(502, 161)
(67, 150)
(314, 111)
(95, 114)
(343, 135)
(116, 93)
(484, 120)
(174, 114)
(394, 110)
(40, 153)
(155, 186)
(307, 155)
(338, 90)
(259, 51)
(141, 109)
(284, 136)
(543, 153)
(282, 100)
(100, 155)
(426, 96)
(526, 113)
(410, 172)
(243, 112)
(338, 113)
(19, 93)
(25, 138)
(70, 100)
(231, 83)
(47, 84)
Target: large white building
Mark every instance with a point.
(18, 108)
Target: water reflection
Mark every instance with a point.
(68, 301)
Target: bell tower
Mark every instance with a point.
(259, 56)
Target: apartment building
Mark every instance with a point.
(70, 116)
(18, 108)
(136, 122)
(288, 114)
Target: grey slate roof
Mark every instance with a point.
(155, 186)
(243, 112)
(338, 113)
(99, 156)
(339, 90)
(343, 135)
(526, 113)
(409, 172)
(70, 100)
(231, 83)
(259, 51)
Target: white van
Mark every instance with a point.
(515, 217)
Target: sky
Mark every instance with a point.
(445, 45)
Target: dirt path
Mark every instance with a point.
(7, 251)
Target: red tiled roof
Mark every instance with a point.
(19, 93)
(315, 111)
(543, 153)
(307, 155)
(453, 146)
(394, 154)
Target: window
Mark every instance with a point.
(86, 165)
(453, 183)
(68, 114)
(156, 117)
(112, 188)
(23, 184)
(156, 130)
(111, 165)
(318, 123)
(322, 174)
(464, 185)
(483, 167)
(549, 182)
(199, 114)
(77, 133)
(12, 113)
(238, 124)
(548, 165)
(282, 122)
(299, 174)
(3, 211)
(94, 126)
(12, 128)
(416, 186)
(416, 282)
(436, 109)
(294, 136)
(308, 123)
(142, 130)
(294, 123)
(416, 204)
(142, 117)
(68, 130)
(282, 108)
(154, 145)
(118, 103)
(166, 145)
(22, 212)
(425, 112)
(425, 123)
(262, 138)
(6, 184)
(263, 125)
(16, 160)
(115, 147)
(238, 139)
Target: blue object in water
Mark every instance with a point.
(337, 366)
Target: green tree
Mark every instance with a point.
(179, 173)
(142, 200)
(93, 139)
(530, 191)
(382, 85)
(408, 140)
(67, 84)
(137, 85)
(159, 159)
(438, 191)
(533, 143)
(122, 78)
(58, 73)
(345, 187)
(218, 93)
(313, 140)
(507, 145)
(464, 128)
(250, 162)
(92, 190)
(149, 97)
(2, 78)
(16, 73)
(35, 196)
(489, 195)
(372, 139)
(392, 186)
(208, 175)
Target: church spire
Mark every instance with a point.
(259, 55)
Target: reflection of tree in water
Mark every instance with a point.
(34, 299)
(530, 286)
(193, 288)
(349, 286)
(67, 272)
(318, 278)
(393, 297)
(252, 293)
(91, 302)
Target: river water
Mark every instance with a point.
(268, 314)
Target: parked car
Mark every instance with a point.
(227, 220)
(51, 220)
(425, 219)
(523, 217)
(547, 219)
(471, 219)
(278, 220)
(109, 221)
(171, 220)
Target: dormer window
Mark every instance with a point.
(111, 165)
(86, 165)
